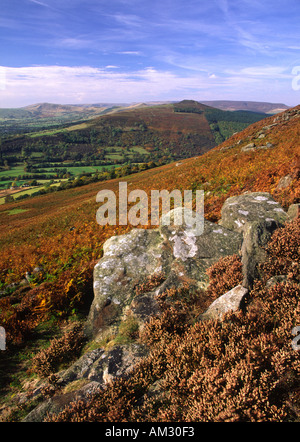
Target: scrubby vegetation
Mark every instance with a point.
(61, 350)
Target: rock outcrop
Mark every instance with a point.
(181, 254)
(177, 252)
(229, 302)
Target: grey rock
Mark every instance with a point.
(251, 147)
(98, 367)
(293, 211)
(257, 215)
(102, 365)
(270, 126)
(237, 211)
(265, 146)
(256, 236)
(57, 403)
(117, 362)
(51, 406)
(248, 147)
(182, 252)
(275, 280)
(82, 367)
(126, 261)
(229, 302)
(284, 182)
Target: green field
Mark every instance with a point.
(14, 171)
(78, 170)
(16, 211)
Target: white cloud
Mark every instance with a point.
(129, 53)
(65, 84)
(85, 84)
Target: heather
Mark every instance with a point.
(240, 369)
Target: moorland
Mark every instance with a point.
(53, 236)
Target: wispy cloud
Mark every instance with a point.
(129, 53)
(65, 84)
(37, 2)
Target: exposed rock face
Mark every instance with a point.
(252, 147)
(237, 211)
(94, 369)
(177, 251)
(257, 215)
(294, 211)
(182, 252)
(127, 260)
(103, 366)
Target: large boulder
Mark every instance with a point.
(127, 260)
(250, 207)
(257, 215)
(182, 253)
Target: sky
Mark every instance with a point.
(125, 51)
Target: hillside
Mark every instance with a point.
(42, 116)
(122, 140)
(251, 106)
(168, 132)
(57, 235)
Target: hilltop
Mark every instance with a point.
(55, 237)
(252, 106)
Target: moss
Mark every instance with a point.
(128, 331)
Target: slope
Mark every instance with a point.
(59, 233)
(264, 157)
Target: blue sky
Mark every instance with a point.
(96, 51)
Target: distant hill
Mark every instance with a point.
(169, 131)
(44, 116)
(252, 106)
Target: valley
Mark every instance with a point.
(122, 140)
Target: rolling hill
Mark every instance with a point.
(182, 129)
(263, 157)
(252, 106)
